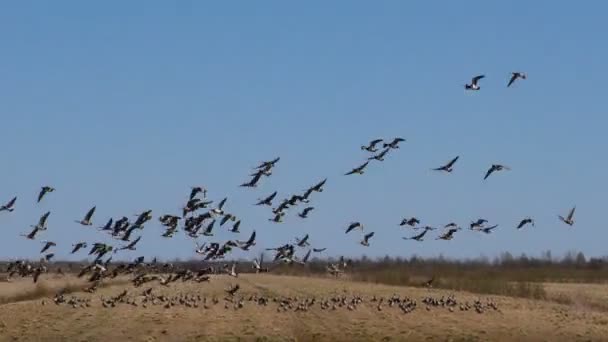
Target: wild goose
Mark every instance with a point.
(494, 168)
(278, 218)
(49, 256)
(410, 222)
(130, 246)
(47, 245)
(41, 225)
(319, 186)
(235, 227)
(304, 213)
(451, 225)
(474, 83)
(354, 225)
(86, 221)
(108, 225)
(488, 230)
(394, 143)
(418, 237)
(220, 207)
(478, 224)
(569, 220)
(245, 245)
(380, 156)
(253, 182)
(371, 147)
(257, 266)
(32, 234)
(527, 220)
(270, 163)
(515, 76)
(449, 234)
(358, 170)
(196, 190)
(303, 242)
(10, 206)
(267, 200)
(318, 250)
(304, 260)
(208, 230)
(366, 237)
(78, 246)
(227, 217)
(44, 191)
(143, 218)
(449, 166)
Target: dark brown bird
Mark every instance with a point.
(474, 83)
(44, 191)
(359, 170)
(449, 166)
(10, 206)
(515, 76)
(495, 168)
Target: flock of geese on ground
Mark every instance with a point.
(200, 216)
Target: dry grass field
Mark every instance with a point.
(571, 312)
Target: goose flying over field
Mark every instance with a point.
(394, 143)
(32, 234)
(478, 224)
(410, 222)
(254, 181)
(41, 225)
(359, 169)
(47, 245)
(267, 200)
(474, 83)
(278, 217)
(525, 221)
(371, 147)
(354, 225)
(449, 167)
(515, 76)
(245, 245)
(418, 237)
(235, 227)
(319, 250)
(10, 206)
(448, 235)
(226, 218)
(488, 230)
(303, 242)
(130, 246)
(209, 229)
(266, 164)
(495, 168)
(569, 220)
(304, 213)
(78, 246)
(86, 221)
(366, 237)
(319, 186)
(44, 191)
(196, 190)
(258, 266)
(380, 156)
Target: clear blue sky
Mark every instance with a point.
(125, 105)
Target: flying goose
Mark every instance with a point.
(418, 237)
(371, 147)
(47, 245)
(131, 245)
(569, 220)
(86, 221)
(270, 163)
(303, 242)
(525, 221)
(253, 182)
(304, 259)
(318, 250)
(245, 245)
(380, 156)
(515, 76)
(354, 225)
(41, 225)
(451, 225)
(278, 218)
(359, 169)
(366, 237)
(410, 222)
(304, 213)
(319, 186)
(478, 224)
(394, 143)
(44, 191)
(474, 81)
(448, 235)
(220, 207)
(267, 200)
(78, 246)
(108, 225)
(488, 230)
(449, 166)
(258, 265)
(494, 168)
(196, 190)
(10, 206)
(235, 227)
(208, 230)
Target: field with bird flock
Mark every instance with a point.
(268, 307)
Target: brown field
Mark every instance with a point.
(570, 312)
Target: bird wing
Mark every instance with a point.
(477, 78)
(89, 214)
(513, 78)
(571, 214)
(489, 172)
(41, 194)
(451, 163)
(374, 142)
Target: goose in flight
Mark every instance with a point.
(495, 168)
(304, 213)
(319, 186)
(78, 246)
(371, 147)
(86, 221)
(266, 164)
(226, 218)
(319, 250)
(44, 191)
(254, 181)
(410, 222)
(354, 225)
(394, 143)
(235, 227)
(451, 225)
(527, 220)
(359, 169)
(303, 242)
(258, 265)
(380, 156)
(449, 235)
(209, 229)
(10, 206)
(245, 245)
(474, 83)
(449, 167)
(478, 224)
(32, 234)
(278, 217)
(488, 230)
(366, 237)
(41, 225)
(418, 237)
(515, 76)
(47, 245)
(196, 190)
(267, 200)
(569, 220)
(130, 246)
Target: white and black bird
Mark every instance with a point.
(371, 147)
(569, 220)
(366, 237)
(394, 143)
(449, 167)
(86, 221)
(474, 83)
(78, 246)
(9, 206)
(495, 168)
(358, 170)
(41, 225)
(45, 190)
(515, 76)
(478, 224)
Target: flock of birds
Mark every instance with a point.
(200, 216)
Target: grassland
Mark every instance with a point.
(567, 312)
